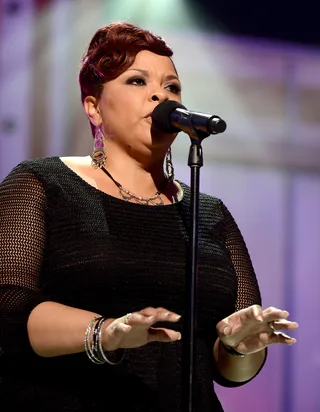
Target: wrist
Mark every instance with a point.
(105, 332)
(94, 347)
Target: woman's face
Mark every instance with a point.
(127, 102)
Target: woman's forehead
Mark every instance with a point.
(148, 61)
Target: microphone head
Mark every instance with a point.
(217, 125)
(161, 116)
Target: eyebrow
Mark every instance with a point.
(146, 73)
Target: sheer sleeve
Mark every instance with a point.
(22, 240)
(248, 289)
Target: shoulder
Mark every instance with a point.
(209, 207)
(39, 164)
(54, 165)
(26, 169)
(46, 170)
(205, 199)
(24, 181)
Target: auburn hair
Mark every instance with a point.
(112, 51)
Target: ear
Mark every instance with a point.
(91, 107)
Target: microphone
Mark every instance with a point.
(172, 117)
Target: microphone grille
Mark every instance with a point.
(161, 116)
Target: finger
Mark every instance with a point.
(165, 316)
(161, 314)
(282, 338)
(271, 314)
(227, 330)
(284, 324)
(224, 328)
(257, 312)
(150, 311)
(251, 312)
(163, 335)
(138, 319)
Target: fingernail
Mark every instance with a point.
(260, 318)
(177, 317)
(179, 336)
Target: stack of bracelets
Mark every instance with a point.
(93, 345)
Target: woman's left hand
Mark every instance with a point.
(252, 329)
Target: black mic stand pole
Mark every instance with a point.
(184, 122)
(195, 162)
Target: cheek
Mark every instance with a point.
(121, 118)
(176, 98)
(112, 114)
(123, 111)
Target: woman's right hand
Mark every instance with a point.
(135, 329)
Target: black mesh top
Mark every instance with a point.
(65, 241)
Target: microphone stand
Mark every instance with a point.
(195, 162)
(198, 126)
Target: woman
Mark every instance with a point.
(93, 259)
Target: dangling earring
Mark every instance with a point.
(99, 153)
(169, 166)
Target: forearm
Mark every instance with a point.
(55, 329)
(234, 368)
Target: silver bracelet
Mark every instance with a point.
(87, 344)
(102, 353)
(95, 350)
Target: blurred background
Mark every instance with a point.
(255, 64)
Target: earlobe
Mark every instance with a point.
(91, 107)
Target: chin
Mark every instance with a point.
(161, 140)
(156, 135)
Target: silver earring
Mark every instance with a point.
(99, 151)
(169, 166)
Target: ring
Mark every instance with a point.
(271, 325)
(127, 318)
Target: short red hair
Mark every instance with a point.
(112, 51)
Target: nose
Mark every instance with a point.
(159, 96)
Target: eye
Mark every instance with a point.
(136, 81)
(174, 88)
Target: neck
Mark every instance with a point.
(141, 179)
